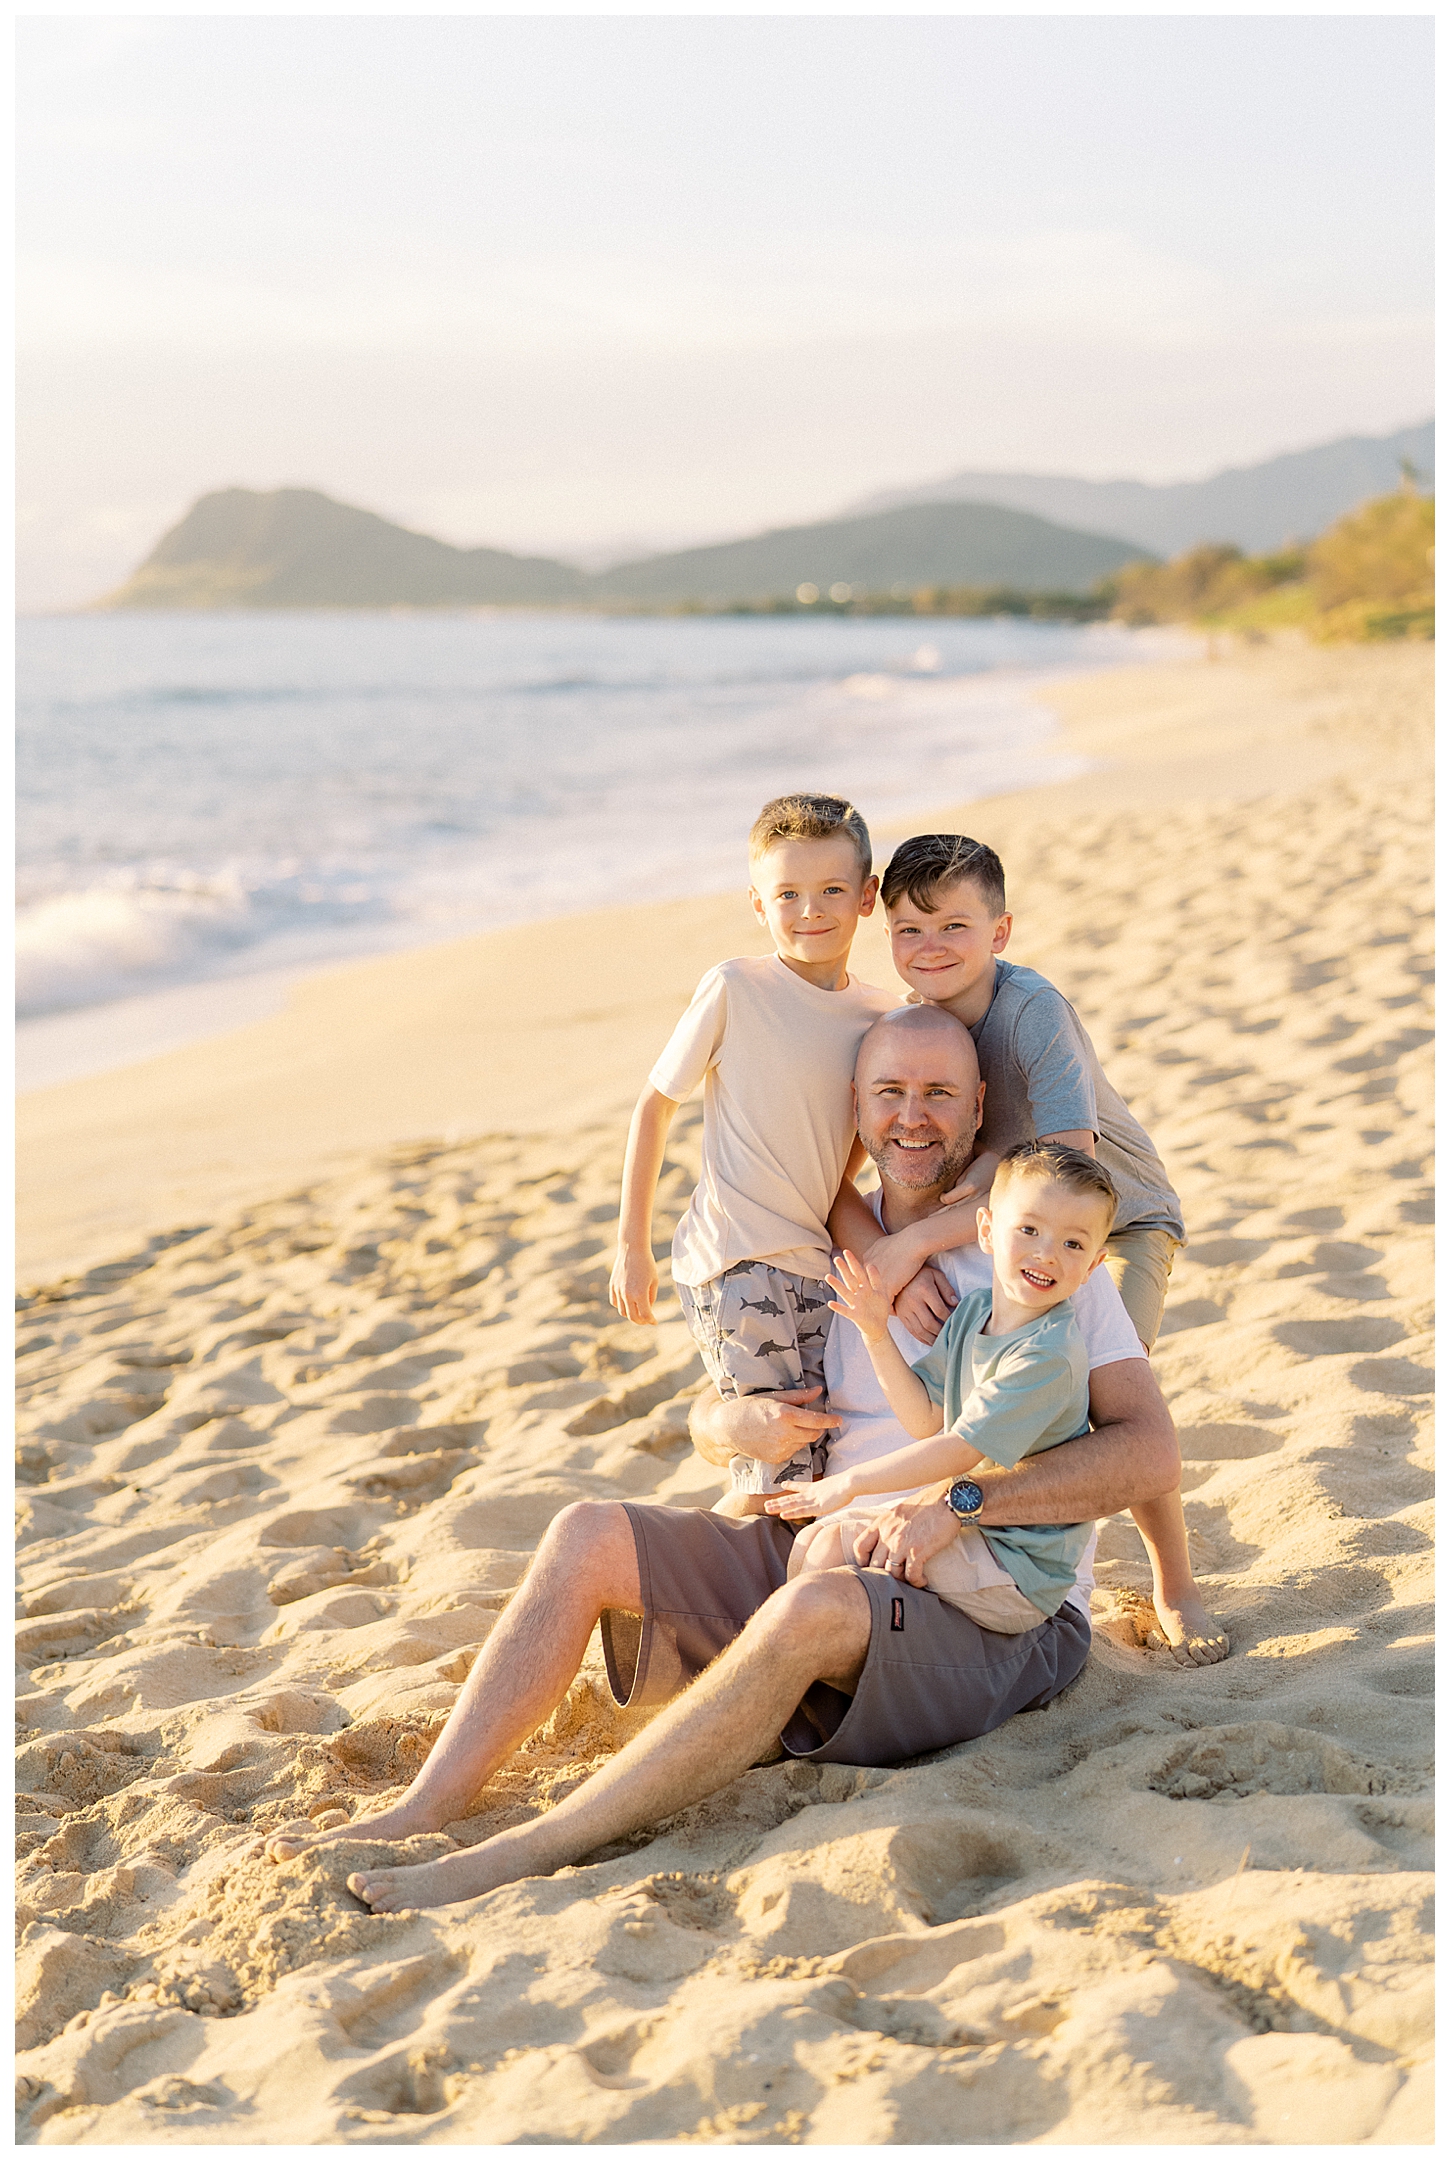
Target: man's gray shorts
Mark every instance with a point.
(759, 1329)
(932, 1677)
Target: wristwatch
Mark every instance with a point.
(965, 1500)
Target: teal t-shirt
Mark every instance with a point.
(1010, 1396)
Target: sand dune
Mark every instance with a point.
(279, 1474)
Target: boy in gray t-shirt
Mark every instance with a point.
(1010, 1372)
(947, 907)
(946, 903)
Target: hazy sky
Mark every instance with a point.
(553, 284)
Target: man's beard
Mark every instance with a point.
(950, 1166)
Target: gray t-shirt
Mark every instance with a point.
(1043, 1076)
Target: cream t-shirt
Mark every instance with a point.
(776, 1056)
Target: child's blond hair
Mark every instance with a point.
(811, 817)
(1060, 1165)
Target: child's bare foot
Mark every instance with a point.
(1188, 1630)
(465, 1874)
(1180, 1626)
(739, 1503)
(404, 1819)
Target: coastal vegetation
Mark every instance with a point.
(1372, 575)
(971, 602)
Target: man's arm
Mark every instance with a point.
(769, 1428)
(1130, 1455)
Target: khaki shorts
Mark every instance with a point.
(967, 1575)
(932, 1676)
(1140, 1261)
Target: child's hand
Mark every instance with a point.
(863, 1297)
(633, 1282)
(798, 1503)
(976, 1183)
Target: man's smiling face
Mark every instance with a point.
(918, 1099)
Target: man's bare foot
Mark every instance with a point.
(465, 1874)
(1188, 1630)
(404, 1819)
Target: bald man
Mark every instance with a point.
(858, 1664)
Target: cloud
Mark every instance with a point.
(1092, 283)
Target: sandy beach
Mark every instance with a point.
(315, 1342)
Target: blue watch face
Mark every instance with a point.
(965, 1497)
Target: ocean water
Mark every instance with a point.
(210, 805)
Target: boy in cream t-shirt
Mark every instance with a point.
(774, 1040)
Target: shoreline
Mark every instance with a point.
(984, 722)
(405, 1046)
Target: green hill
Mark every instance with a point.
(298, 548)
(924, 544)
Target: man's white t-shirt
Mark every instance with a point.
(777, 1057)
(871, 1430)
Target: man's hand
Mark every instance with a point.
(633, 1283)
(860, 1296)
(904, 1537)
(924, 1305)
(768, 1428)
(802, 1503)
(976, 1183)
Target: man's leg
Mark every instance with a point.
(585, 1563)
(817, 1628)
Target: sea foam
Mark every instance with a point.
(202, 797)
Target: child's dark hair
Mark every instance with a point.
(811, 817)
(923, 865)
(1064, 1165)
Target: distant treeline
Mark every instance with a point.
(974, 601)
(1370, 576)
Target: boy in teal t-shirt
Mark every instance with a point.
(1009, 1374)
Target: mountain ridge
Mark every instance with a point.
(1291, 497)
(296, 547)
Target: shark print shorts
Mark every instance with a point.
(759, 1329)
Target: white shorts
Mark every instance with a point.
(967, 1575)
